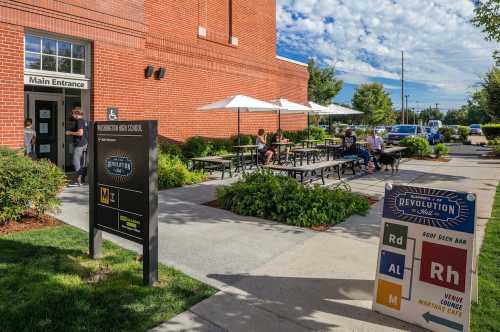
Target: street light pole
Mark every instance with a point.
(406, 109)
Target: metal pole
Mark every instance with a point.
(279, 119)
(402, 86)
(239, 139)
(308, 127)
(406, 110)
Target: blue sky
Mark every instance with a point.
(445, 56)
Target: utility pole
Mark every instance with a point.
(402, 86)
(437, 106)
(406, 110)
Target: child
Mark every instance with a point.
(29, 139)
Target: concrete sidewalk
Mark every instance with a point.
(274, 277)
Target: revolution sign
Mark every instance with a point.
(123, 187)
(426, 252)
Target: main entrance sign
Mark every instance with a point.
(426, 252)
(123, 188)
(56, 82)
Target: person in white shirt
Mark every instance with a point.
(375, 146)
(29, 139)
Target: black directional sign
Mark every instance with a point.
(123, 187)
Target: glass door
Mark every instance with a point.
(48, 122)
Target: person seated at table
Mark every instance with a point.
(351, 149)
(375, 147)
(279, 138)
(264, 151)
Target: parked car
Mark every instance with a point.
(400, 132)
(379, 129)
(475, 129)
(433, 135)
(435, 123)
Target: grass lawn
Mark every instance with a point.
(48, 283)
(486, 314)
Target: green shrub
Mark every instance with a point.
(491, 131)
(300, 135)
(497, 150)
(417, 146)
(441, 150)
(447, 133)
(262, 194)
(494, 142)
(244, 139)
(195, 147)
(171, 149)
(27, 185)
(172, 172)
(463, 132)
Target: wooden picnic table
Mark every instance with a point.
(307, 152)
(309, 143)
(240, 151)
(212, 163)
(332, 140)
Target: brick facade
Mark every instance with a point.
(126, 36)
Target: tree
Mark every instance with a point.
(491, 86)
(372, 100)
(430, 113)
(457, 117)
(477, 108)
(487, 17)
(323, 86)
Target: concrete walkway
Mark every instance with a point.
(274, 277)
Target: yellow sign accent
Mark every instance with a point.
(389, 294)
(104, 195)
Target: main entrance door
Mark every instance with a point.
(47, 113)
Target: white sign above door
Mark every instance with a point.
(57, 82)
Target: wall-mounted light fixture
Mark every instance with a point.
(148, 72)
(160, 73)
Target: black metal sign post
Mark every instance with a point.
(124, 187)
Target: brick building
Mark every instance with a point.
(58, 54)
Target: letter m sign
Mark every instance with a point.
(443, 266)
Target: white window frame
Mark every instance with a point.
(87, 59)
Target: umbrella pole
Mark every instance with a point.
(239, 138)
(330, 124)
(308, 127)
(279, 119)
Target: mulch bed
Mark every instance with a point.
(28, 222)
(440, 159)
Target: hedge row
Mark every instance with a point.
(491, 131)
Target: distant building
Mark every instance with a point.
(55, 55)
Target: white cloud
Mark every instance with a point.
(364, 39)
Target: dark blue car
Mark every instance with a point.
(433, 135)
(400, 132)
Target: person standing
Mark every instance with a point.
(29, 139)
(80, 143)
(375, 147)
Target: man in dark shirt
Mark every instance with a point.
(80, 143)
(349, 143)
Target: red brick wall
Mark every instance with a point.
(128, 35)
(11, 86)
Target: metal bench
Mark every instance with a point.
(210, 164)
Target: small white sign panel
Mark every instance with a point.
(43, 128)
(44, 148)
(44, 114)
(425, 261)
(58, 82)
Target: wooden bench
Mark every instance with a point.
(210, 164)
(312, 172)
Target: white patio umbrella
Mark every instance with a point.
(286, 106)
(240, 104)
(341, 110)
(321, 110)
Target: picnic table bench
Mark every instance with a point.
(307, 152)
(316, 171)
(214, 163)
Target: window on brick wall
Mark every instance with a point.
(53, 55)
(216, 19)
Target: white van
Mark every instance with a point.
(435, 124)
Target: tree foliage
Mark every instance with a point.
(491, 86)
(457, 117)
(431, 113)
(323, 84)
(487, 17)
(374, 102)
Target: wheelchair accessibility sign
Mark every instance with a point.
(426, 257)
